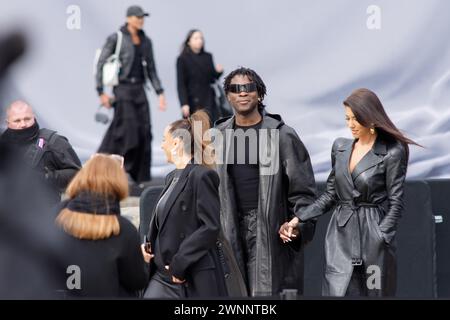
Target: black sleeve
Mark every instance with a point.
(396, 164)
(297, 169)
(151, 70)
(107, 51)
(326, 201)
(196, 245)
(182, 82)
(66, 163)
(133, 270)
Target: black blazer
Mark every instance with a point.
(188, 230)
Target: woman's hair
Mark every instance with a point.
(101, 175)
(195, 128)
(254, 77)
(369, 112)
(185, 46)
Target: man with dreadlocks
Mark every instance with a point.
(265, 177)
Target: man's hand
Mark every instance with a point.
(162, 102)
(105, 100)
(175, 279)
(289, 230)
(185, 110)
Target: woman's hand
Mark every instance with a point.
(289, 230)
(175, 279)
(185, 110)
(162, 102)
(219, 68)
(147, 255)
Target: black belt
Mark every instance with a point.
(132, 80)
(356, 245)
(357, 205)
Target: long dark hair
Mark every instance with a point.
(369, 112)
(185, 46)
(197, 143)
(253, 76)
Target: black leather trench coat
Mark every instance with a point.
(286, 184)
(361, 230)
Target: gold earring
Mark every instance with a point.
(372, 131)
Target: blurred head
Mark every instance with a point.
(135, 17)
(183, 138)
(194, 41)
(245, 90)
(19, 115)
(103, 176)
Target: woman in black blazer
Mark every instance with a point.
(366, 172)
(195, 74)
(186, 221)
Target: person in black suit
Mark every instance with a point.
(366, 172)
(195, 74)
(186, 222)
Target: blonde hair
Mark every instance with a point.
(101, 175)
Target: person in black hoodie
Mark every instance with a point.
(48, 154)
(195, 74)
(130, 131)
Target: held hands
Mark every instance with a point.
(289, 230)
(175, 279)
(162, 102)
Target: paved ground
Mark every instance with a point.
(130, 207)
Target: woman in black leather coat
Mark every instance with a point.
(366, 172)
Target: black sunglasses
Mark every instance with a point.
(238, 88)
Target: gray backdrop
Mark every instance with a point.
(311, 54)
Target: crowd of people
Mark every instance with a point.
(253, 190)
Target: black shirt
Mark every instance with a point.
(244, 171)
(137, 70)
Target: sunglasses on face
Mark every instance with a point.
(238, 88)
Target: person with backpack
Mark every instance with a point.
(129, 133)
(25, 145)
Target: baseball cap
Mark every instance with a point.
(136, 11)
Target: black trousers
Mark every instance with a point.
(130, 131)
(247, 230)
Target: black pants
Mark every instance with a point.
(247, 230)
(130, 131)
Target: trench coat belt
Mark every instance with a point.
(346, 210)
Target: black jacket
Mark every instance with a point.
(126, 57)
(112, 267)
(57, 161)
(188, 230)
(195, 74)
(360, 226)
(286, 185)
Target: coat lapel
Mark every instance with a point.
(347, 152)
(373, 157)
(179, 187)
